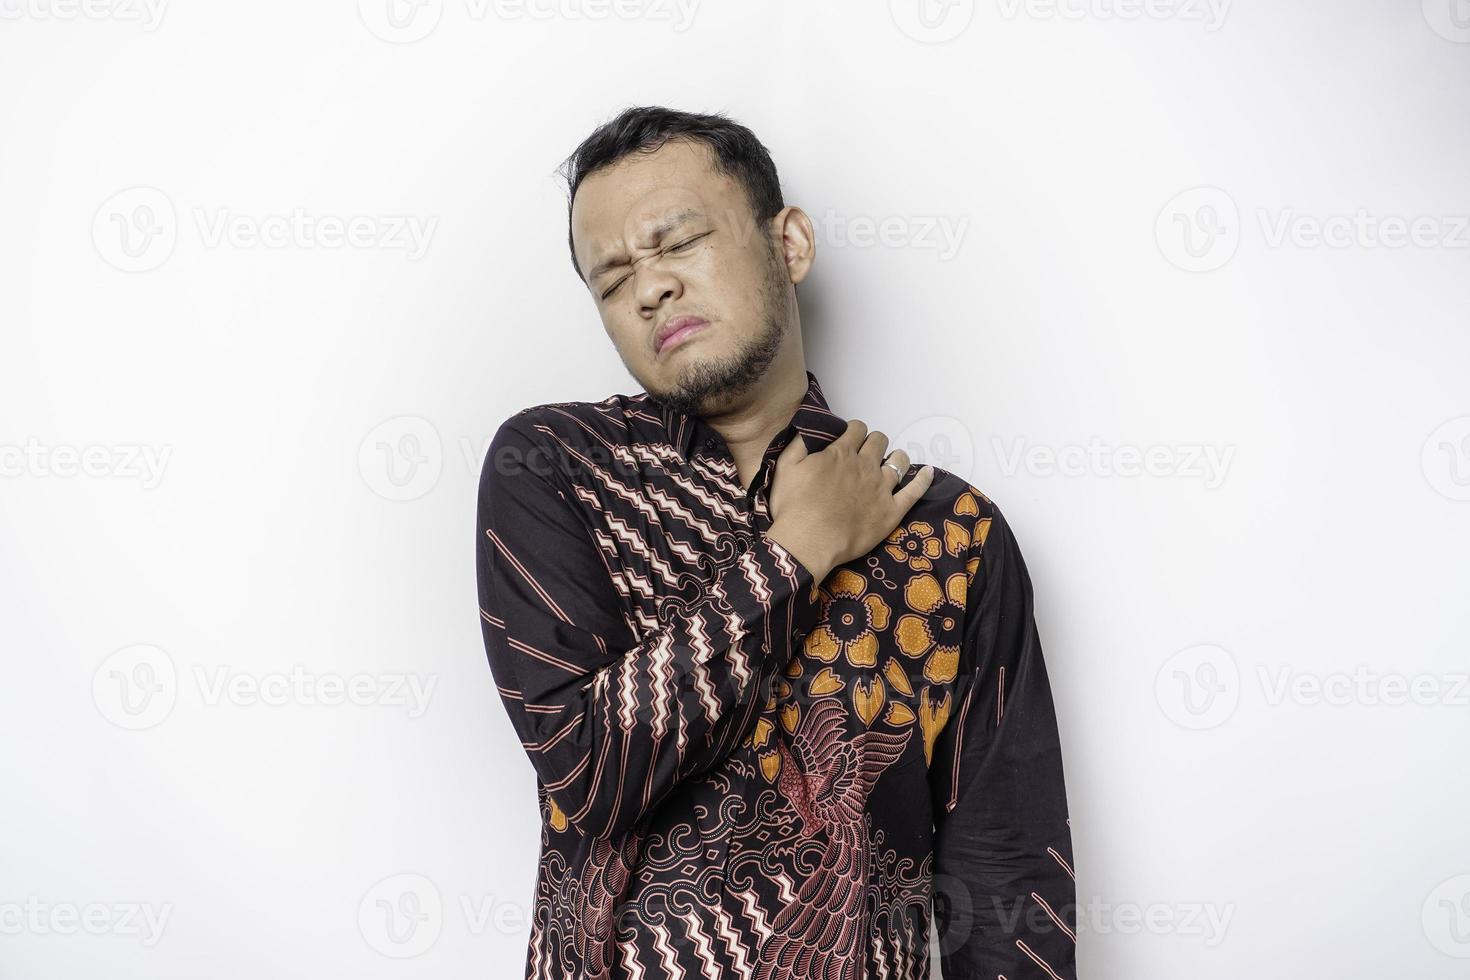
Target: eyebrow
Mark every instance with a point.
(665, 226)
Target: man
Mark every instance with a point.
(780, 687)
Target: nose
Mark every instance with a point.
(655, 287)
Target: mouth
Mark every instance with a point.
(675, 331)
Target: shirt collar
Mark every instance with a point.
(812, 418)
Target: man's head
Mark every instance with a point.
(676, 217)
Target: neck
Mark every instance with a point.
(749, 424)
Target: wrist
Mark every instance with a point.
(814, 558)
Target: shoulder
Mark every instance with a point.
(562, 430)
(548, 413)
(616, 412)
(969, 525)
(962, 511)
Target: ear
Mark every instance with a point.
(797, 239)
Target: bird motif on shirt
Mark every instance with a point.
(820, 934)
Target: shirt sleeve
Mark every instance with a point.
(1004, 890)
(612, 720)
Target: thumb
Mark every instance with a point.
(794, 452)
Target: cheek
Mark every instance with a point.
(729, 280)
(739, 265)
(623, 329)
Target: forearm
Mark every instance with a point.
(1003, 846)
(610, 746)
(1005, 890)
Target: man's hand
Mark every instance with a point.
(835, 505)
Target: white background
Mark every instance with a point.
(1131, 191)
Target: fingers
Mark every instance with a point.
(875, 446)
(914, 489)
(900, 465)
(794, 452)
(852, 437)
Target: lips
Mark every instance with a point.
(675, 329)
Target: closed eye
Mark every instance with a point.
(680, 247)
(613, 288)
(686, 243)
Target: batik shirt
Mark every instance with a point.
(746, 773)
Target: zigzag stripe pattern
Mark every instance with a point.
(744, 773)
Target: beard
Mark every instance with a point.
(714, 380)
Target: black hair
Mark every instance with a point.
(642, 129)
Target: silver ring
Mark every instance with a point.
(895, 469)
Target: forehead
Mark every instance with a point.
(626, 201)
